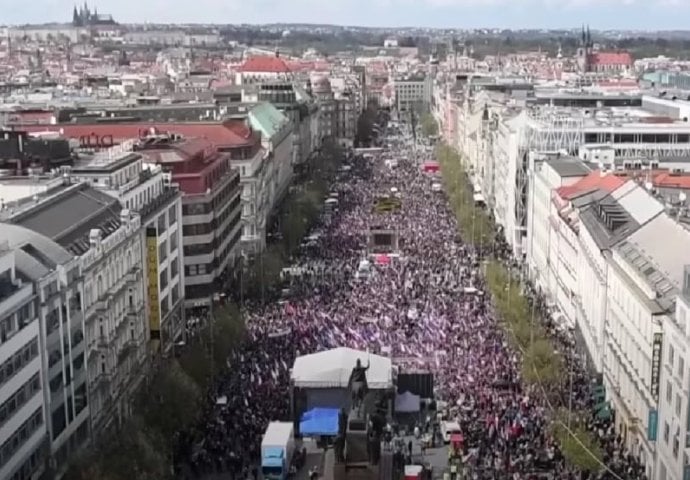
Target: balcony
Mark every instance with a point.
(133, 275)
(103, 342)
(134, 311)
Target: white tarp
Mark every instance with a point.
(407, 402)
(332, 369)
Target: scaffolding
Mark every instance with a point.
(552, 129)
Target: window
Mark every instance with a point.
(671, 354)
(681, 367)
(669, 391)
(172, 215)
(161, 224)
(174, 268)
(20, 436)
(173, 243)
(19, 398)
(162, 251)
(18, 361)
(163, 278)
(667, 430)
(678, 404)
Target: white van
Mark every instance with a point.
(448, 429)
(363, 270)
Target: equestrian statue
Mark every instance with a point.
(358, 384)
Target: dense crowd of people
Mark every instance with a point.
(427, 307)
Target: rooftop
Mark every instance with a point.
(67, 217)
(596, 180)
(233, 133)
(264, 64)
(667, 258)
(639, 204)
(35, 254)
(607, 221)
(569, 166)
(103, 162)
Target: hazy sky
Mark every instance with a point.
(600, 14)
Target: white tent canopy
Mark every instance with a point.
(332, 369)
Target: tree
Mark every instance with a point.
(207, 353)
(365, 124)
(229, 331)
(133, 452)
(429, 125)
(171, 403)
(578, 446)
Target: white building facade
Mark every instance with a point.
(22, 403)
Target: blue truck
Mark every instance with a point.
(277, 450)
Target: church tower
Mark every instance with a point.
(584, 50)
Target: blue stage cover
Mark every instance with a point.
(319, 421)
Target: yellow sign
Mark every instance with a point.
(152, 269)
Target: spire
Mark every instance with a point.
(75, 16)
(589, 37)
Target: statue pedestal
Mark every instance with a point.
(356, 436)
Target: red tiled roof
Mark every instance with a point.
(264, 64)
(669, 180)
(611, 58)
(230, 133)
(609, 182)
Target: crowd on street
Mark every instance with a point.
(426, 306)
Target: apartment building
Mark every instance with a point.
(497, 130)
(145, 190)
(338, 111)
(299, 107)
(413, 92)
(635, 318)
(61, 410)
(211, 214)
(105, 238)
(276, 139)
(604, 234)
(23, 449)
(547, 173)
(577, 267)
(672, 433)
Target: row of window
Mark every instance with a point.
(164, 223)
(14, 322)
(602, 137)
(163, 248)
(20, 436)
(26, 471)
(19, 398)
(73, 408)
(168, 275)
(204, 269)
(18, 361)
(209, 227)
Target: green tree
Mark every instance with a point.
(133, 452)
(578, 446)
(429, 125)
(171, 403)
(229, 331)
(196, 362)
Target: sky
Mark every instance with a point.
(600, 14)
